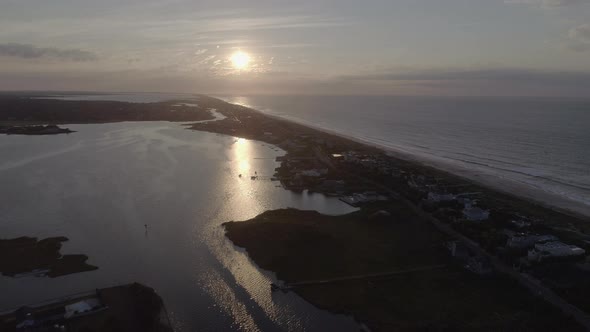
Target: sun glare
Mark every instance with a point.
(240, 60)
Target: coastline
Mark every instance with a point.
(391, 275)
(506, 186)
(397, 190)
(20, 111)
(509, 190)
(315, 157)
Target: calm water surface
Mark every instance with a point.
(101, 185)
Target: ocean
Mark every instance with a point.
(540, 146)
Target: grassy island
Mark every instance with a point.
(24, 110)
(410, 282)
(34, 130)
(28, 256)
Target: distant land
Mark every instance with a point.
(34, 130)
(426, 250)
(22, 110)
(132, 308)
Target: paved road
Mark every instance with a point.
(364, 276)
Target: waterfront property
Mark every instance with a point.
(132, 308)
(475, 213)
(523, 241)
(554, 249)
(359, 199)
(372, 173)
(436, 197)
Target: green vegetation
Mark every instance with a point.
(305, 245)
(27, 255)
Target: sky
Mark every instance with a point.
(371, 47)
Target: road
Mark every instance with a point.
(364, 276)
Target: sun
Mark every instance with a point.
(240, 60)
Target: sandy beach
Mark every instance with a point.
(504, 185)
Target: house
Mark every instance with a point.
(475, 214)
(520, 223)
(479, 265)
(314, 172)
(412, 184)
(521, 241)
(379, 215)
(358, 199)
(350, 156)
(434, 197)
(554, 249)
(367, 163)
(384, 169)
(469, 260)
(464, 200)
(82, 307)
(458, 250)
(396, 172)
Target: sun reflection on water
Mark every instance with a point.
(241, 289)
(242, 154)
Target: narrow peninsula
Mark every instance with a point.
(426, 249)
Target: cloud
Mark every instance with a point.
(511, 75)
(27, 51)
(547, 3)
(579, 47)
(283, 83)
(581, 32)
(579, 38)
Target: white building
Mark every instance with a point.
(357, 199)
(520, 223)
(525, 241)
(434, 197)
(82, 307)
(553, 249)
(475, 214)
(314, 172)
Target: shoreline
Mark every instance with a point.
(399, 231)
(33, 130)
(389, 275)
(495, 185)
(394, 193)
(504, 185)
(26, 111)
